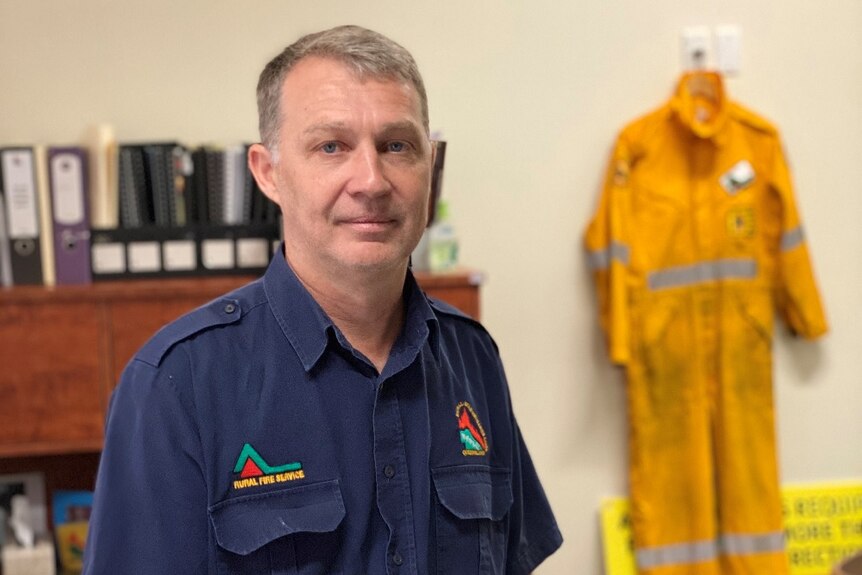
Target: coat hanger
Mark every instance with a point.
(702, 83)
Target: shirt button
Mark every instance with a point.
(397, 559)
(389, 471)
(229, 308)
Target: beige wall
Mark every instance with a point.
(529, 96)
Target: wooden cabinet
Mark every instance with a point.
(63, 349)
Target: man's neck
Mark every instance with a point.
(369, 310)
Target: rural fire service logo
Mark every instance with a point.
(251, 470)
(470, 429)
(740, 222)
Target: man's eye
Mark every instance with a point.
(396, 146)
(329, 148)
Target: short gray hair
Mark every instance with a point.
(367, 53)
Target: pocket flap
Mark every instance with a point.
(245, 524)
(474, 491)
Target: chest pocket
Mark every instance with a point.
(471, 507)
(286, 532)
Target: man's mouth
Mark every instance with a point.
(370, 223)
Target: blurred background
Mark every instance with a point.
(529, 97)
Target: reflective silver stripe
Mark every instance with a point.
(792, 238)
(747, 544)
(701, 273)
(678, 554)
(601, 259)
(688, 553)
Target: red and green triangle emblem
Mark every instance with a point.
(251, 464)
(250, 469)
(464, 423)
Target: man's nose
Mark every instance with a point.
(368, 174)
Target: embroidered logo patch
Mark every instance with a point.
(621, 173)
(473, 437)
(737, 178)
(253, 471)
(740, 222)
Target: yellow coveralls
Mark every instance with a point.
(696, 242)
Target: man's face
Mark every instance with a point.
(354, 170)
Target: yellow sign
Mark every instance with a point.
(823, 524)
(617, 537)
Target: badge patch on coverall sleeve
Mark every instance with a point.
(621, 173)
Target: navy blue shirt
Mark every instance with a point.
(249, 436)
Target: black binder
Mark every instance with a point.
(18, 184)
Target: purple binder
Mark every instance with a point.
(69, 185)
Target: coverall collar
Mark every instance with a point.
(701, 105)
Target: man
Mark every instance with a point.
(327, 418)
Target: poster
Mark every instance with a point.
(823, 524)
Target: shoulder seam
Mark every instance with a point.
(450, 310)
(753, 119)
(447, 309)
(152, 354)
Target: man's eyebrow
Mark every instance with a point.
(325, 127)
(398, 128)
(388, 130)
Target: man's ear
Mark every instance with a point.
(262, 167)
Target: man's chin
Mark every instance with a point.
(375, 262)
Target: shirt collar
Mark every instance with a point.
(309, 330)
(420, 325)
(700, 104)
(304, 323)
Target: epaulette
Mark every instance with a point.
(753, 120)
(448, 309)
(221, 311)
(642, 129)
(452, 311)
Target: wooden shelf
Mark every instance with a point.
(134, 290)
(63, 350)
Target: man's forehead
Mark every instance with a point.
(324, 87)
(315, 70)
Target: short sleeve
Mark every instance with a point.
(533, 531)
(149, 510)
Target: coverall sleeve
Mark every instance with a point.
(798, 298)
(150, 507)
(608, 252)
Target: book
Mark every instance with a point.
(157, 164)
(46, 237)
(133, 194)
(103, 155)
(19, 187)
(215, 170)
(5, 261)
(68, 182)
(71, 517)
(199, 192)
(234, 185)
